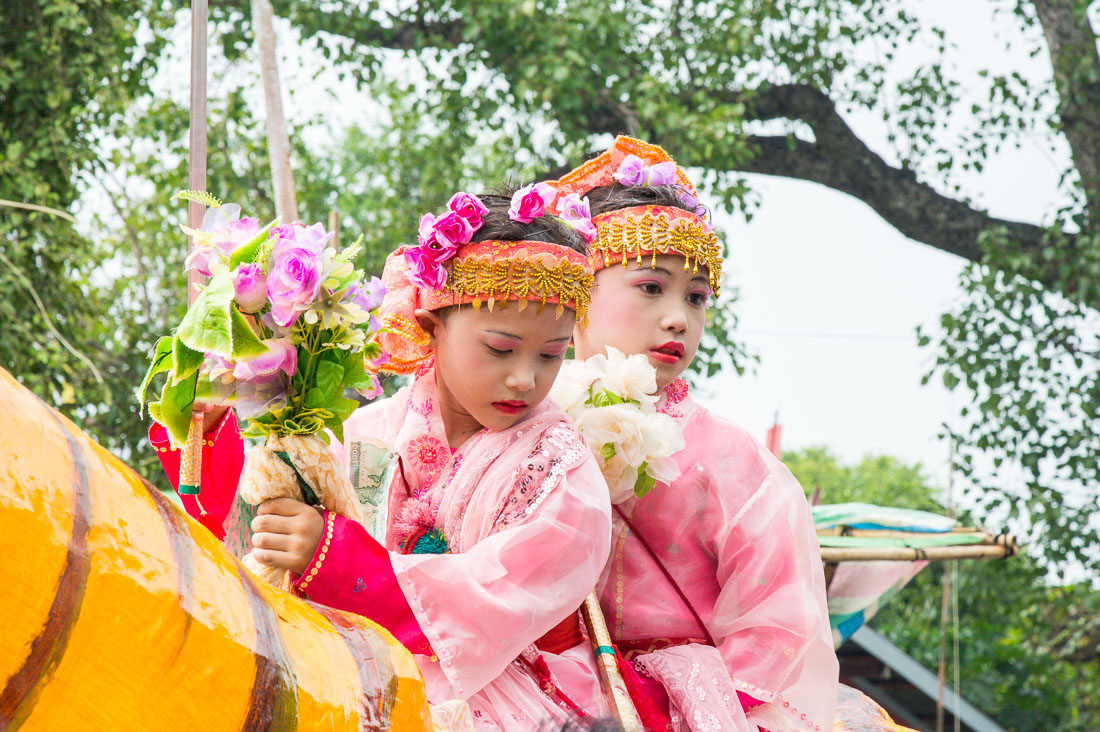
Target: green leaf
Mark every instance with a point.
(245, 343)
(161, 362)
(176, 404)
(607, 452)
(329, 379)
(248, 251)
(645, 482)
(185, 361)
(606, 398)
(208, 326)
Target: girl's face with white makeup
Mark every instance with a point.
(656, 311)
(493, 368)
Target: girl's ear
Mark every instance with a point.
(430, 322)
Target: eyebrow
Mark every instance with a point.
(665, 271)
(513, 336)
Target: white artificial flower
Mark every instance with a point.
(570, 389)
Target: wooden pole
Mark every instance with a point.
(611, 679)
(191, 453)
(909, 554)
(278, 142)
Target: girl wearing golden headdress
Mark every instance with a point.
(714, 592)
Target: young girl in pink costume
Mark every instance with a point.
(714, 589)
(496, 524)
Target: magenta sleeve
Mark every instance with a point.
(222, 460)
(351, 571)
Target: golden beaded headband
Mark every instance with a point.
(640, 231)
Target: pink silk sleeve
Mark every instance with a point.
(351, 571)
(770, 615)
(222, 460)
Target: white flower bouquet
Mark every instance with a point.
(612, 401)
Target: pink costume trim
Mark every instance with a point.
(222, 460)
(351, 571)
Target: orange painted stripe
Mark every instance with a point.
(19, 694)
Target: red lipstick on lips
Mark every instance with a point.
(511, 406)
(669, 353)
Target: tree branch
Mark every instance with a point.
(1077, 77)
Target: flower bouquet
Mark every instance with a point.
(611, 400)
(283, 326)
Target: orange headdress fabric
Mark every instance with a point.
(643, 231)
(490, 273)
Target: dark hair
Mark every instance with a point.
(546, 228)
(602, 199)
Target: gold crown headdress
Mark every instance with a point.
(639, 231)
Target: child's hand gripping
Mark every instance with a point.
(286, 533)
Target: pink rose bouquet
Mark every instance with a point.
(283, 327)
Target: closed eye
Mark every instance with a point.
(498, 351)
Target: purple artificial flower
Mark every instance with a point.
(281, 357)
(576, 214)
(297, 234)
(374, 390)
(217, 368)
(367, 296)
(530, 202)
(572, 206)
(691, 201)
(294, 274)
(584, 227)
(250, 287)
(425, 269)
(661, 174)
(469, 207)
(631, 172)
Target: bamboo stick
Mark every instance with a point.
(611, 679)
(908, 554)
(849, 531)
(191, 455)
(278, 142)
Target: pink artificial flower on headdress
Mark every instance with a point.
(530, 202)
(470, 208)
(425, 270)
(577, 215)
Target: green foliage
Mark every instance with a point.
(1029, 360)
(881, 480)
(1029, 652)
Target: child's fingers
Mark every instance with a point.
(273, 523)
(278, 542)
(274, 558)
(281, 506)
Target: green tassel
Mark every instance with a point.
(433, 542)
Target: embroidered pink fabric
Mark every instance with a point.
(735, 531)
(526, 514)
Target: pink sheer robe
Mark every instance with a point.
(526, 515)
(735, 533)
